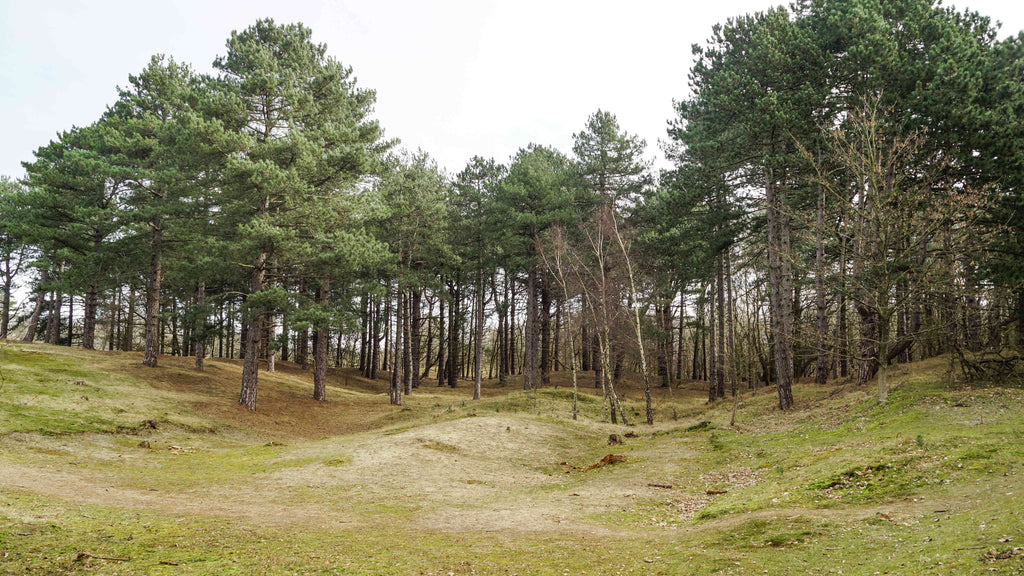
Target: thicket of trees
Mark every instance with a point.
(846, 193)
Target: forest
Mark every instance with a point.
(845, 193)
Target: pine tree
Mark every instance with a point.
(307, 135)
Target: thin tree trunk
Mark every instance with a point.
(270, 342)
(71, 319)
(320, 352)
(414, 337)
(175, 343)
(478, 369)
(302, 336)
(454, 333)
(545, 331)
(375, 341)
(153, 298)
(53, 319)
(730, 307)
(199, 333)
(395, 388)
(821, 371)
(556, 352)
(407, 367)
(128, 335)
(679, 342)
(503, 329)
(511, 327)
(664, 342)
(721, 357)
(5, 313)
(842, 330)
(428, 354)
(531, 333)
(442, 372)
(713, 341)
(114, 327)
(780, 284)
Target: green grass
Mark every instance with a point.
(929, 483)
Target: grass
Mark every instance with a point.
(160, 472)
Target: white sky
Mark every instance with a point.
(456, 78)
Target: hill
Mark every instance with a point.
(108, 467)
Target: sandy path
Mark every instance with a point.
(480, 474)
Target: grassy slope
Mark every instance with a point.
(928, 484)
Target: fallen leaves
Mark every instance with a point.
(1005, 554)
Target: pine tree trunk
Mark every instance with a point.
(386, 359)
(721, 358)
(415, 321)
(37, 310)
(428, 354)
(286, 352)
(698, 340)
(454, 324)
(503, 330)
(511, 327)
(868, 344)
(199, 333)
(545, 331)
(883, 353)
(53, 319)
(664, 343)
(92, 296)
(364, 334)
(71, 319)
(395, 387)
(374, 341)
(251, 363)
(821, 371)
(302, 337)
(407, 366)
(531, 333)
(175, 343)
(781, 290)
(153, 297)
(712, 356)
(5, 313)
(680, 340)
(478, 368)
(268, 351)
(113, 309)
(442, 337)
(557, 363)
(730, 307)
(842, 329)
(128, 335)
(320, 353)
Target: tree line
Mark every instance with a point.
(844, 194)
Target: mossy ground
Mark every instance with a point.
(107, 467)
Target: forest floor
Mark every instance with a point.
(108, 467)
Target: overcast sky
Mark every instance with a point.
(456, 78)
